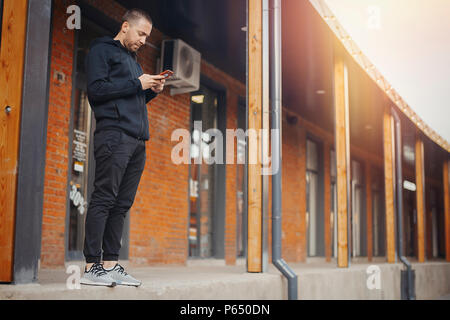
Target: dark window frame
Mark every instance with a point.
(320, 227)
(363, 214)
(218, 241)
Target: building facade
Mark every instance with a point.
(338, 142)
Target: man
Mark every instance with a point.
(118, 92)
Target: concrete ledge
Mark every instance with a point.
(316, 280)
(349, 283)
(432, 279)
(159, 283)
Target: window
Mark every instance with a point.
(78, 193)
(436, 228)
(202, 181)
(358, 225)
(333, 213)
(314, 207)
(409, 223)
(378, 215)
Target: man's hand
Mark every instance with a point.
(159, 86)
(152, 81)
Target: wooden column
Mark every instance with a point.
(420, 198)
(342, 155)
(369, 210)
(254, 258)
(446, 207)
(327, 199)
(388, 142)
(11, 79)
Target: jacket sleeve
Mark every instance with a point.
(149, 95)
(99, 87)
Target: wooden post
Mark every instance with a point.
(446, 207)
(369, 211)
(254, 259)
(420, 199)
(327, 199)
(11, 79)
(388, 142)
(342, 158)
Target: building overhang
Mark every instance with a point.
(353, 50)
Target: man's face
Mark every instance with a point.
(136, 33)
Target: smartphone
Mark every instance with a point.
(166, 73)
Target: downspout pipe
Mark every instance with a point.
(399, 199)
(275, 92)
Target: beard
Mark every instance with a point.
(132, 46)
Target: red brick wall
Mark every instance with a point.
(292, 192)
(56, 166)
(159, 216)
(293, 195)
(158, 228)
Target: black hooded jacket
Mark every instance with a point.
(114, 91)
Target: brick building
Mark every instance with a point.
(198, 211)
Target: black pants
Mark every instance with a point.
(119, 163)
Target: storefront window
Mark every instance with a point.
(79, 171)
(202, 175)
(312, 196)
(375, 224)
(378, 216)
(409, 223)
(358, 226)
(333, 213)
(434, 224)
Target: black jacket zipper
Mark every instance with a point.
(140, 105)
(135, 72)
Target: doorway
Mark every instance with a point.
(333, 213)
(206, 177)
(358, 225)
(409, 223)
(314, 194)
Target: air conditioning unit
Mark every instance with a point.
(184, 61)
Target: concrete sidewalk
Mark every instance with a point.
(316, 280)
(165, 282)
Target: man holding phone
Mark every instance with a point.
(118, 92)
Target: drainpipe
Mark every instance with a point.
(407, 285)
(275, 92)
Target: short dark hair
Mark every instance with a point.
(134, 14)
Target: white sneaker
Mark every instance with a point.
(97, 276)
(119, 275)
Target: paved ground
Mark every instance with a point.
(213, 280)
(165, 282)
